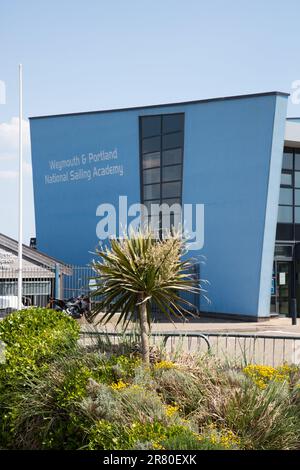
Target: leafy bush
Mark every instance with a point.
(150, 435)
(34, 337)
(54, 394)
(212, 439)
(113, 368)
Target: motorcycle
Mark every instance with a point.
(76, 307)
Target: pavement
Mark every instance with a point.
(281, 326)
(277, 326)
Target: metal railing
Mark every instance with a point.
(40, 283)
(38, 286)
(267, 349)
(240, 348)
(78, 282)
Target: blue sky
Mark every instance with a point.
(95, 54)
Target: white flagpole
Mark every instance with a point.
(20, 239)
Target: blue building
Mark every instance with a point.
(232, 163)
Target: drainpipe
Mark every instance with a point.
(57, 282)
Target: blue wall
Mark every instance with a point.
(229, 148)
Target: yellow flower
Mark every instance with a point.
(261, 375)
(224, 437)
(119, 385)
(171, 410)
(157, 446)
(165, 365)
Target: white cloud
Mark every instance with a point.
(8, 174)
(9, 148)
(9, 135)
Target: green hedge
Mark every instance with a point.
(33, 337)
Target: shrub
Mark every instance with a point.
(261, 418)
(112, 369)
(55, 394)
(34, 337)
(179, 386)
(105, 435)
(45, 412)
(150, 435)
(141, 404)
(264, 418)
(212, 439)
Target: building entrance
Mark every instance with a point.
(283, 288)
(283, 280)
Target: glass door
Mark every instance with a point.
(283, 287)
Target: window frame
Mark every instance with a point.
(161, 165)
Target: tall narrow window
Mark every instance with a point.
(161, 154)
(288, 222)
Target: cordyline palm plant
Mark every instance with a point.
(137, 272)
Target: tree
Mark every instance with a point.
(138, 271)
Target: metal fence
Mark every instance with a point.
(43, 282)
(78, 282)
(38, 286)
(40, 283)
(273, 350)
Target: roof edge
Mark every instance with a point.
(12, 244)
(179, 103)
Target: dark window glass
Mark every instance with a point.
(151, 160)
(297, 160)
(285, 214)
(297, 179)
(172, 123)
(171, 221)
(171, 209)
(148, 204)
(171, 173)
(284, 250)
(152, 144)
(151, 176)
(151, 126)
(172, 140)
(170, 157)
(171, 189)
(286, 196)
(286, 179)
(287, 161)
(284, 232)
(152, 191)
(171, 201)
(161, 141)
(297, 232)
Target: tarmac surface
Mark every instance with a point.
(274, 326)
